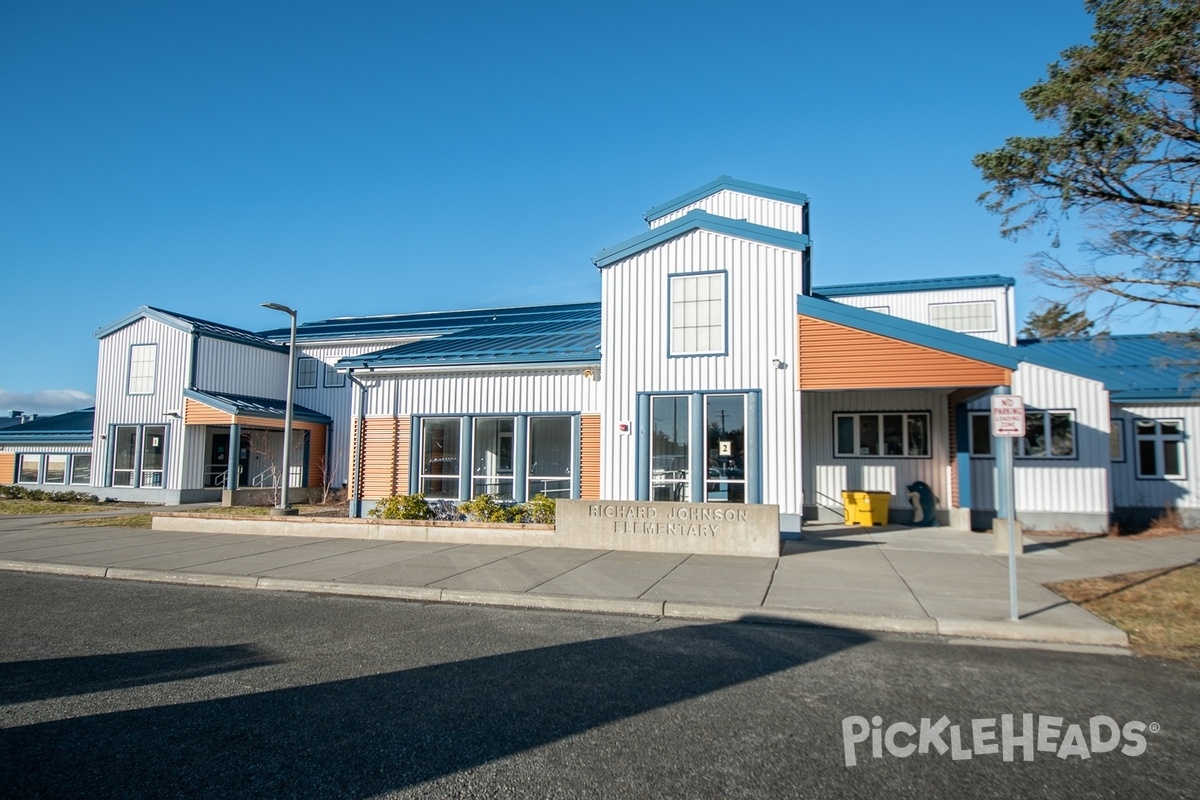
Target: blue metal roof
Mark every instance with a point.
(72, 426)
(697, 219)
(566, 334)
(1147, 368)
(724, 182)
(429, 323)
(927, 285)
(242, 405)
(190, 324)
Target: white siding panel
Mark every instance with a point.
(114, 406)
(232, 368)
(914, 306)
(484, 393)
(763, 282)
(736, 205)
(827, 476)
(1129, 491)
(1078, 484)
(45, 448)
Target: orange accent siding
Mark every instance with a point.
(316, 456)
(197, 413)
(589, 457)
(385, 450)
(8, 467)
(838, 357)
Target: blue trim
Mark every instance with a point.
(725, 182)
(697, 449)
(415, 435)
(962, 459)
(694, 220)
(912, 332)
(724, 351)
(927, 285)
(643, 423)
(754, 433)
(466, 455)
(520, 458)
(193, 325)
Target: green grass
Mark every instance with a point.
(305, 510)
(1159, 609)
(49, 507)
(121, 521)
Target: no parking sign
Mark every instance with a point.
(1008, 416)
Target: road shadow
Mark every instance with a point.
(369, 735)
(43, 679)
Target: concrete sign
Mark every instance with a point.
(725, 529)
(1008, 416)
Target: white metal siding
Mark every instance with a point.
(1067, 485)
(50, 448)
(115, 407)
(735, 205)
(1129, 491)
(763, 282)
(827, 476)
(483, 393)
(231, 368)
(914, 306)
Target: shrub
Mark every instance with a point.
(22, 493)
(402, 506)
(541, 509)
(486, 508)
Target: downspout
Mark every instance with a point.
(355, 505)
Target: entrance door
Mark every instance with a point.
(217, 472)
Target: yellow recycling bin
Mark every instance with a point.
(866, 508)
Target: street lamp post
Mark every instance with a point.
(283, 509)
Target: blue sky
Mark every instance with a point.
(380, 157)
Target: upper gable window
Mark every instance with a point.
(141, 368)
(697, 314)
(964, 317)
(306, 373)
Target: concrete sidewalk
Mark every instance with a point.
(926, 581)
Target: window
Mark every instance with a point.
(725, 424)
(698, 314)
(492, 464)
(550, 456)
(306, 373)
(124, 455)
(1059, 443)
(964, 317)
(30, 468)
(154, 443)
(1159, 448)
(1116, 440)
(141, 368)
(56, 469)
(882, 435)
(81, 468)
(981, 434)
(440, 457)
(333, 378)
(670, 420)
(878, 309)
(1048, 434)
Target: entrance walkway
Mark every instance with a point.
(930, 581)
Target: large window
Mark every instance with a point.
(698, 314)
(964, 317)
(725, 424)
(1048, 434)
(138, 456)
(669, 451)
(1116, 440)
(492, 464)
(550, 456)
(141, 368)
(1159, 448)
(29, 470)
(56, 469)
(124, 455)
(882, 435)
(81, 468)
(306, 373)
(440, 458)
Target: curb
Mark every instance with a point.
(1028, 633)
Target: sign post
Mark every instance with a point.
(1008, 423)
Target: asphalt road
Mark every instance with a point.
(112, 689)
